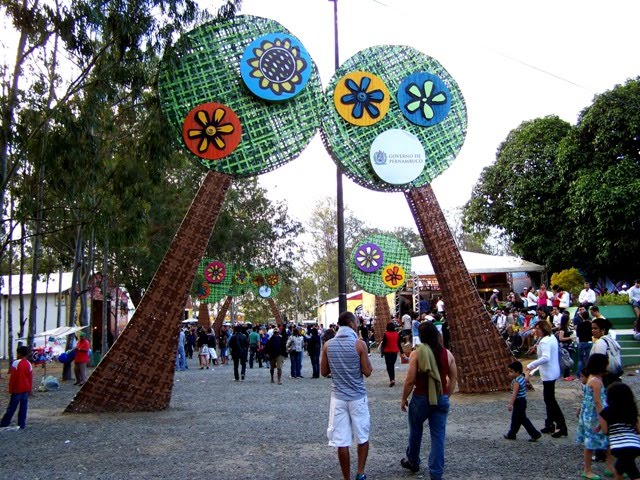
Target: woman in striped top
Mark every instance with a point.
(619, 419)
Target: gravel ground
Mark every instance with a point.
(222, 430)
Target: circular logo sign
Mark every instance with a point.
(393, 276)
(361, 98)
(264, 291)
(397, 156)
(275, 67)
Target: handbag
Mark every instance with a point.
(613, 354)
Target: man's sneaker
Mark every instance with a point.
(361, 476)
(9, 429)
(409, 466)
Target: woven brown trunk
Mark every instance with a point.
(222, 314)
(481, 353)
(203, 316)
(383, 316)
(137, 372)
(274, 311)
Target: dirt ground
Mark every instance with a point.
(219, 429)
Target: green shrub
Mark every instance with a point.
(570, 280)
(611, 299)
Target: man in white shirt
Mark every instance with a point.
(440, 305)
(500, 321)
(634, 298)
(557, 317)
(587, 296)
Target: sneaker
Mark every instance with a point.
(9, 429)
(508, 437)
(409, 466)
(361, 476)
(536, 438)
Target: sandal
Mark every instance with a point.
(594, 477)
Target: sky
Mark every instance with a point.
(513, 61)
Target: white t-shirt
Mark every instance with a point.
(440, 305)
(406, 322)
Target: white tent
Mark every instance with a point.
(479, 263)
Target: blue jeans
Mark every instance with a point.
(315, 363)
(21, 399)
(583, 355)
(419, 411)
(296, 364)
(181, 360)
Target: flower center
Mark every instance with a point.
(361, 96)
(210, 131)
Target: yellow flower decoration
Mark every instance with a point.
(393, 275)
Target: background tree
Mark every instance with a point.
(523, 194)
(602, 157)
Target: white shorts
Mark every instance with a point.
(416, 341)
(348, 420)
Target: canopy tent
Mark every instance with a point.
(57, 332)
(479, 263)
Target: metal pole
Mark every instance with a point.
(342, 274)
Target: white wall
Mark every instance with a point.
(52, 315)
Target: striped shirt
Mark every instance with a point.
(621, 435)
(346, 372)
(522, 389)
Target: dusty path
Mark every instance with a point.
(221, 430)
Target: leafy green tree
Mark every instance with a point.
(602, 155)
(569, 279)
(524, 193)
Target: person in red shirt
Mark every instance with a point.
(81, 359)
(20, 384)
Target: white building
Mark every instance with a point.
(53, 309)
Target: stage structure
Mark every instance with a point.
(244, 97)
(398, 121)
(379, 265)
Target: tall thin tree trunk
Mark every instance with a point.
(23, 233)
(46, 303)
(10, 289)
(73, 294)
(105, 294)
(59, 309)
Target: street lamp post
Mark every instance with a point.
(342, 274)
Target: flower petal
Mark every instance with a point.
(202, 118)
(357, 110)
(413, 106)
(226, 128)
(414, 91)
(427, 111)
(348, 99)
(374, 112)
(351, 85)
(218, 115)
(439, 98)
(428, 88)
(364, 84)
(376, 96)
(219, 142)
(204, 144)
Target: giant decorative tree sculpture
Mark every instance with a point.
(399, 120)
(244, 97)
(380, 265)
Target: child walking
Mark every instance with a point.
(593, 399)
(20, 384)
(619, 419)
(518, 405)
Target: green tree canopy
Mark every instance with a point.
(567, 196)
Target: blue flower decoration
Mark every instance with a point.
(361, 99)
(424, 99)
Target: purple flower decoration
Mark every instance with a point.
(369, 257)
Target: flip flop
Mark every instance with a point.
(594, 477)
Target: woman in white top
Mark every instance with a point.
(549, 365)
(603, 343)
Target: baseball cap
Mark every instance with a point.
(495, 290)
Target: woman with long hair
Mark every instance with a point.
(431, 379)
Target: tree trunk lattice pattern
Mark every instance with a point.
(137, 372)
(481, 353)
(383, 316)
(203, 316)
(274, 311)
(217, 324)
